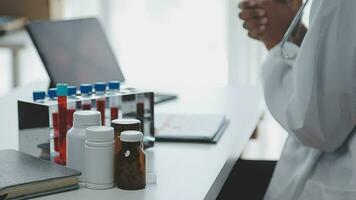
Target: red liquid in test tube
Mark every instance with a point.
(140, 110)
(55, 130)
(62, 122)
(140, 107)
(70, 113)
(100, 106)
(52, 94)
(100, 89)
(86, 107)
(114, 113)
(71, 105)
(114, 100)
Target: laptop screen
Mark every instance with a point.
(75, 51)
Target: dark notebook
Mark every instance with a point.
(202, 128)
(23, 176)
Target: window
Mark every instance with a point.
(170, 42)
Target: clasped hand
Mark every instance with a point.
(266, 20)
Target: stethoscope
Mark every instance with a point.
(289, 32)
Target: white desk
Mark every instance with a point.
(184, 171)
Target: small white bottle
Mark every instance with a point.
(99, 157)
(76, 139)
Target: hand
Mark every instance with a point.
(280, 15)
(254, 17)
(267, 20)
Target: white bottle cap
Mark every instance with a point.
(100, 133)
(86, 118)
(131, 136)
(125, 121)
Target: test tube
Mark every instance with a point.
(52, 94)
(86, 91)
(114, 99)
(140, 110)
(39, 96)
(62, 92)
(100, 88)
(72, 91)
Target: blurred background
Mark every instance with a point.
(158, 43)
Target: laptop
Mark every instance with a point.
(77, 51)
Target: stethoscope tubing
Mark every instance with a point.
(289, 32)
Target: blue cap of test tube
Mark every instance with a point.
(72, 90)
(86, 88)
(62, 89)
(100, 86)
(114, 85)
(52, 93)
(38, 95)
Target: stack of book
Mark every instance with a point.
(23, 176)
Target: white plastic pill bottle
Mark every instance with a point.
(76, 138)
(99, 157)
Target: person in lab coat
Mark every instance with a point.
(310, 89)
(267, 21)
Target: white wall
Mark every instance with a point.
(245, 55)
(5, 71)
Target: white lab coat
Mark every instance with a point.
(314, 98)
